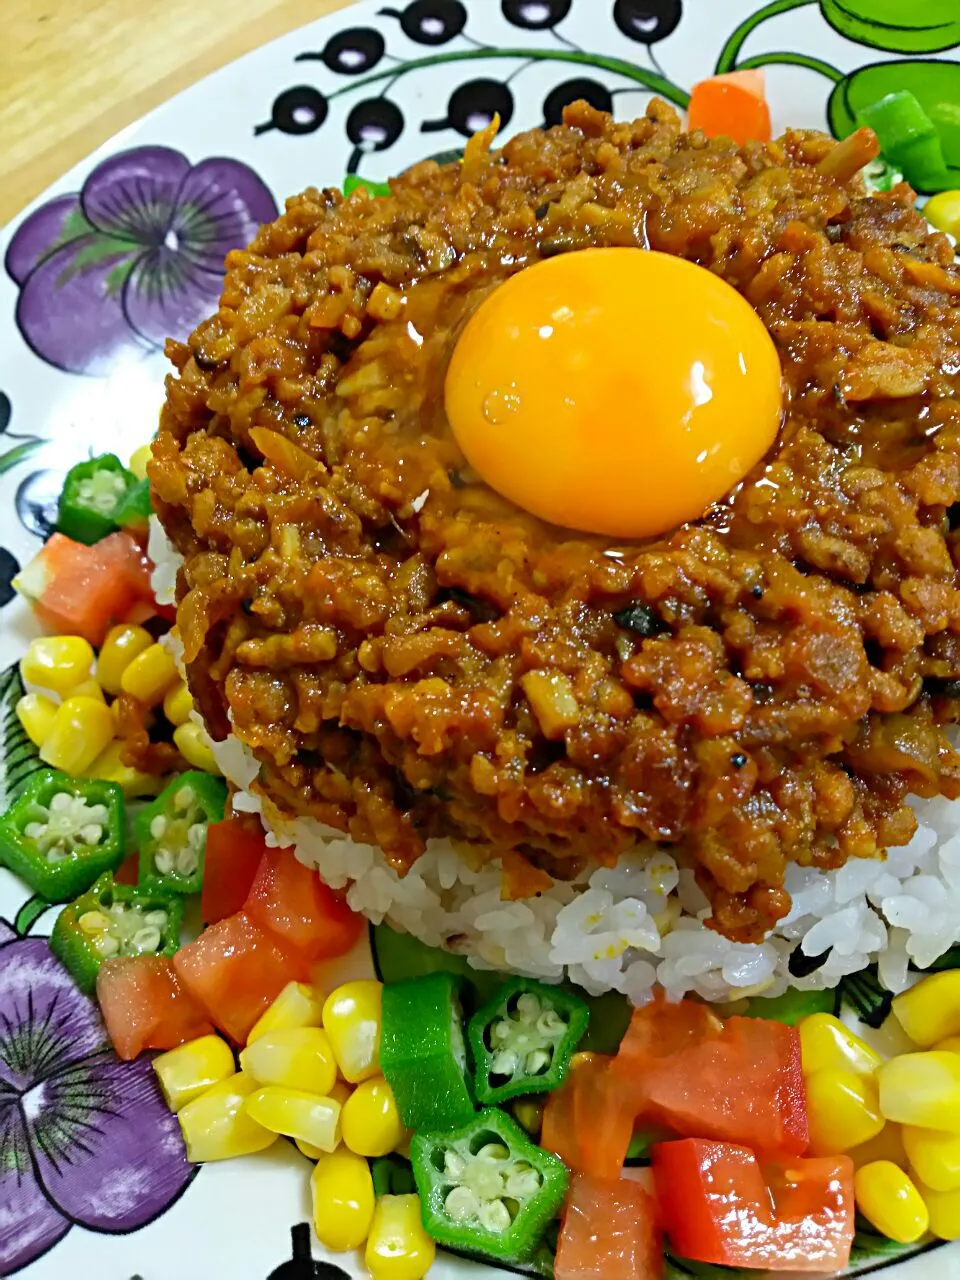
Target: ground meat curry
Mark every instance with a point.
(411, 656)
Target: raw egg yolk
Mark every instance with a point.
(614, 391)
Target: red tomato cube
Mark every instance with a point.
(610, 1231)
(235, 971)
(587, 1122)
(145, 1007)
(235, 848)
(292, 902)
(720, 1205)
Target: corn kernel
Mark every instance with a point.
(339, 1093)
(930, 1011)
(36, 713)
(944, 1210)
(398, 1248)
(370, 1122)
(341, 1188)
(826, 1044)
(943, 211)
(308, 1150)
(57, 662)
(950, 1045)
(888, 1199)
(887, 1145)
(177, 704)
(922, 1089)
(935, 1157)
(351, 1018)
(191, 1069)
(216, 1126)
(109, 767)
(81, 729)
(194, 745)
(138, 461)
(148, 677)
(296, 1114)
(297, 1005)
(88, 688)
(842, 1110)
(121, 646)
(298, 1058)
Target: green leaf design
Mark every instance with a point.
(949, 960)
(94, 249)
(868, 1247)
(866, 996)
(935, 85)
(29, 914)
(19, 758)
(683, 1269)
(13, 457)
(353, 180)
(898, 26)
(74, 226)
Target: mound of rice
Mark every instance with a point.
(642, 922)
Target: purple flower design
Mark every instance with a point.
(135, 258)
(84, 1138)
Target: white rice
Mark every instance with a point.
(641, 922)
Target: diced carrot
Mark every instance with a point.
(731, 105)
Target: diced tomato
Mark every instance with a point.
(720, 1205)
(588, 1122)
(145, 1007)
(610, 1232)
(733, 105)
(234, 850)
(234, 970)
(292, 902)
(737, 1080)
(128, 871)
(83, 591)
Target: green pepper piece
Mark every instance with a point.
(486, 1189)
(908, 137)
(392, 1176)
(114, 920)
(423, 1055)
(136, 508)
(171, 833)
(61, 834)
(91, 496)
(523, 1040)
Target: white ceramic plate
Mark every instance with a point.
(128, 248)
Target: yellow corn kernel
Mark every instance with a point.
(148, 677)
(922, 1089)
(57, 662)
(943, 211)
(81, 729)
(370, 1121)
(826, 1044)
(944, 1210)
(887, 1145)
(36, 713)
(341, 1187)
(351, 1018)
(297, 1005)
(888, 1199)
(138, 461)
(842, 1110)
(298, 1058)
(121, 646)
(398, 1248)
(191, 1069)
(109, 767)
(950, 1045)
(216, 1126)
(296, 1114)
(194, 745)
(177, 704)
(339, 1093)
(930, 1011)
(935, 1157)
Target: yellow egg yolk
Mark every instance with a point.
(614, 391)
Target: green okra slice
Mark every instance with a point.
(487, 1189)
(423, 1055)
(171, 832)
(523, 1040)
(111, 920)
